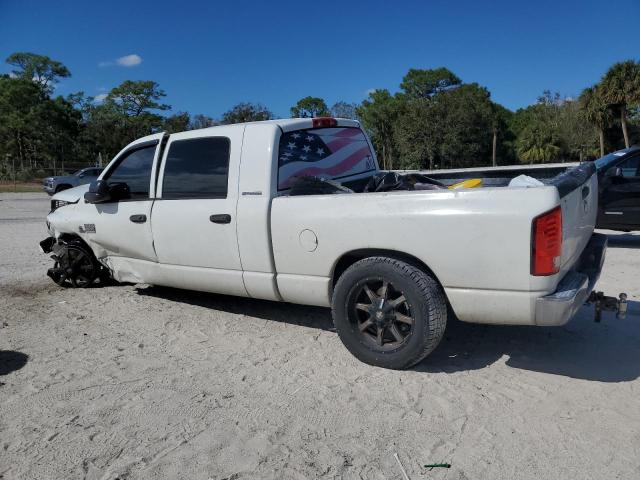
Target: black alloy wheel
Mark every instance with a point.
(74, 267)
(388, 313)
(381, 312)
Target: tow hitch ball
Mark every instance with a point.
(610, 304)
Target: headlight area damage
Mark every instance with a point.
(75, 265)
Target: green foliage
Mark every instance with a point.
(596, 109)
(451, 129)
(201, 121)
(378, 114)
(344, 110)
(621, 90)
(246, 112)
(38, 68)
(309, 107)
(538, 143)
(621, 84)
(176, 123)
(427, 83)
(434, 121)
(135, 98)
(127, 113)
(579, 136)
(35, 130)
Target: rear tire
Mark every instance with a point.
(389, 313)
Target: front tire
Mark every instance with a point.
(75, 266)
(388, 313)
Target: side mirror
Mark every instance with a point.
(119, 191)
(98, 192)
(613, 172)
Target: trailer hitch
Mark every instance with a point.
(609, 304)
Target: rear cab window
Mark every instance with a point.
(336, 153)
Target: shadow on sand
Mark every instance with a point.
(605, 352)
(313, 317)
(11, 361)
(624, 240)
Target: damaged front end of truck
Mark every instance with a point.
(75, 265)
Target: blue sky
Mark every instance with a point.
(209, 56)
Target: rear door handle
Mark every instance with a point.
(220, 218)
(141, 218)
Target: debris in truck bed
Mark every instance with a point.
(525, 181)
(388, 181)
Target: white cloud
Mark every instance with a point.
(370, 91)
(99, 98)
(129, 60)
(126, 61)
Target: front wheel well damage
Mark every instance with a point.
(64, 270)
(73, 238)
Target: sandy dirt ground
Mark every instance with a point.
(134, 381)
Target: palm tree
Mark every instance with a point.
(538, 143)
(620, 88)
(596, 110)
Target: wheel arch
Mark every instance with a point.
(72, 237)
(349, 258)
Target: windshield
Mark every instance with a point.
(607, 159)
(77, 174)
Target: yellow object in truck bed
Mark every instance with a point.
(471, 183)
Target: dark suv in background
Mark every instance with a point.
(619, 190)
(53, 185)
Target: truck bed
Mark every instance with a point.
(500, 176)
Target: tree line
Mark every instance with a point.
(435, 120)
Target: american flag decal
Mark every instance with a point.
(322, 152)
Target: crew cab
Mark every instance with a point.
(221, 210)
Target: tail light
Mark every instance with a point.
(324, 122)
(546, 243)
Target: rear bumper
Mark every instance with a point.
(573, 290)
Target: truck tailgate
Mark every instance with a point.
(578, 190)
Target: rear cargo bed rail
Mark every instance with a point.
(573, 178)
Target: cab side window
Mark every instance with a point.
(197, 168)
(134, 169)
(630, 166)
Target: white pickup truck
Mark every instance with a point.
(245, 210)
